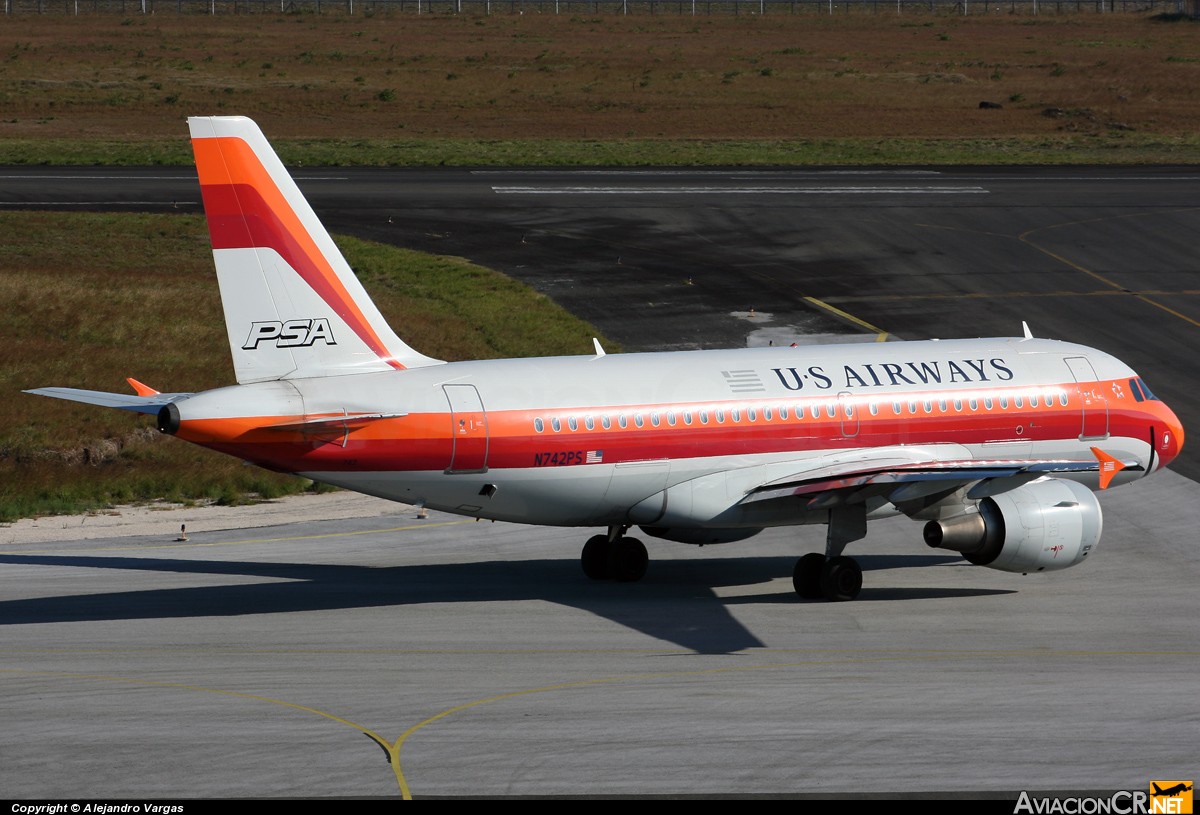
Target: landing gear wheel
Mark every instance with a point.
(595, 558)
(806, 577)
(841, 579)
(628, 560)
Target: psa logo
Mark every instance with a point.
(1171, 797)
(290, 334)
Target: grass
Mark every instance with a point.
(95, 298)
(605, 90)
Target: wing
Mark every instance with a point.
(906, 475)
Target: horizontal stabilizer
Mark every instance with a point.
(121, 401)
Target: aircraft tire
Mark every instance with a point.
(841, 579)
(629, 560)
(806, 577)
(595, 558)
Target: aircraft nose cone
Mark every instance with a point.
(1170, 442)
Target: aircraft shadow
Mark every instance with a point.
(676, 602)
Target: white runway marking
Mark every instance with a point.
(699, 171)
(821, 190)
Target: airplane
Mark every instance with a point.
(1170, 791)
(996, 444)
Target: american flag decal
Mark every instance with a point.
(594, 457)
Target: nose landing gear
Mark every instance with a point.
(614, 557)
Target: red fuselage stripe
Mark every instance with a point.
(426, 441)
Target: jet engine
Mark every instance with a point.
(1044, 525)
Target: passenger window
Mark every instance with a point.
(539, 425)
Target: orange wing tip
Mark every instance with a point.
(1109, 467)
(140, 388)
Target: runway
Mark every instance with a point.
(267, 662)
(394, 656)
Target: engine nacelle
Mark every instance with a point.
(1047, 524)
(699, 537)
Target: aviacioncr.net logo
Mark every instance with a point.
(1163, 798)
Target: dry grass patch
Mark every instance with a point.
(612, 78)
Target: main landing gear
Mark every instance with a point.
(831, 578)
(832, 575)
(614, 557)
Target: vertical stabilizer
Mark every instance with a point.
(293, 307)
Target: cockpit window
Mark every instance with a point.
(1140, 385)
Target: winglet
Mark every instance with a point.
(1025, 329)
(599, 350)
(1109, 467)
(140, 388)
